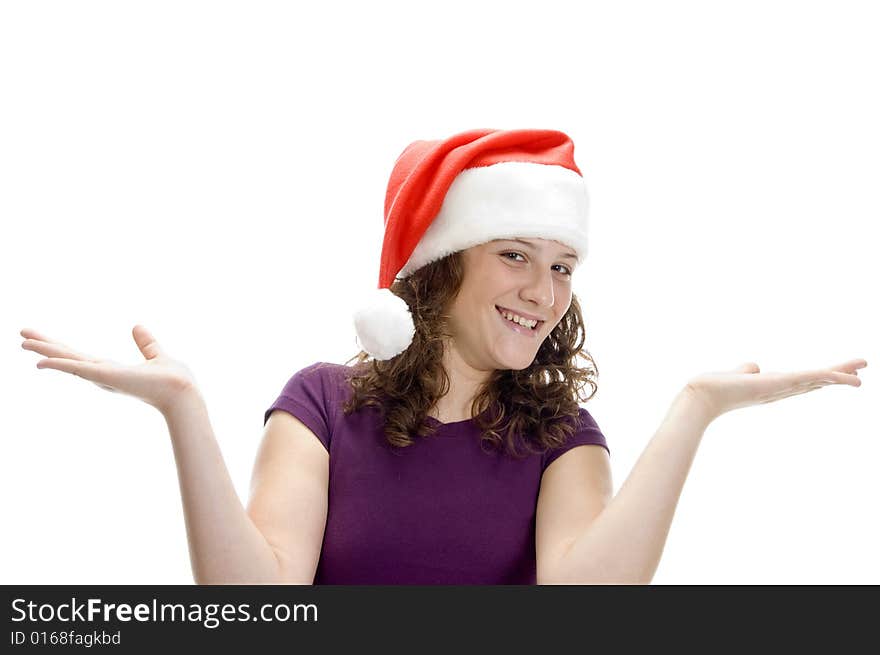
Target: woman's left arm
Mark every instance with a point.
(624, 543)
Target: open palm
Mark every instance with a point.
(746, 385)
(158, 380)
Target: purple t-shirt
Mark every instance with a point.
(441, 511)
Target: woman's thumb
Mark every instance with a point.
(146, 342)
(748, 367)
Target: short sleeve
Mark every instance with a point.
(308, 396)
(588, 432)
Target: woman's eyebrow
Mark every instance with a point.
(532, 247)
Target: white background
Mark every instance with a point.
(216, 171)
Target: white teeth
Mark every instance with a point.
(519, 319)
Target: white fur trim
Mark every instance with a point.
(383, 324)
(507, 199)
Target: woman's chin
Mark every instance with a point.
(515, 361)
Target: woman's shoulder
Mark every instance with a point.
(317, 377)
(329, 370)
(323, 369)
(327, 375)
(586, 420)
(586, 431)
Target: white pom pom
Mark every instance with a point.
(383, 324)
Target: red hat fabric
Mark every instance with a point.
(425, 170)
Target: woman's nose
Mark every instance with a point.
(540, 290)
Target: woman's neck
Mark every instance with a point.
(465, 382)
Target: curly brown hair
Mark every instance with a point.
(538, 405)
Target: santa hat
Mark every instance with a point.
(448, 195)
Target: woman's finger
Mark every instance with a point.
(146, 342)
(851, 367)
(840, 377)
(58, 349)
(827, 376)
(29, 333)
(55, 350)
(99, 373)
(798, 383)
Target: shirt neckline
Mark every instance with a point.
(467, 422)
(431, 419)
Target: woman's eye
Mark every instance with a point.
(566, 270)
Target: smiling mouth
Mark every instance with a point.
(517, 326)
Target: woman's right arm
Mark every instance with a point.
(278, 539)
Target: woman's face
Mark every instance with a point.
(528, 277)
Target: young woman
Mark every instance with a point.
(455, 451)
